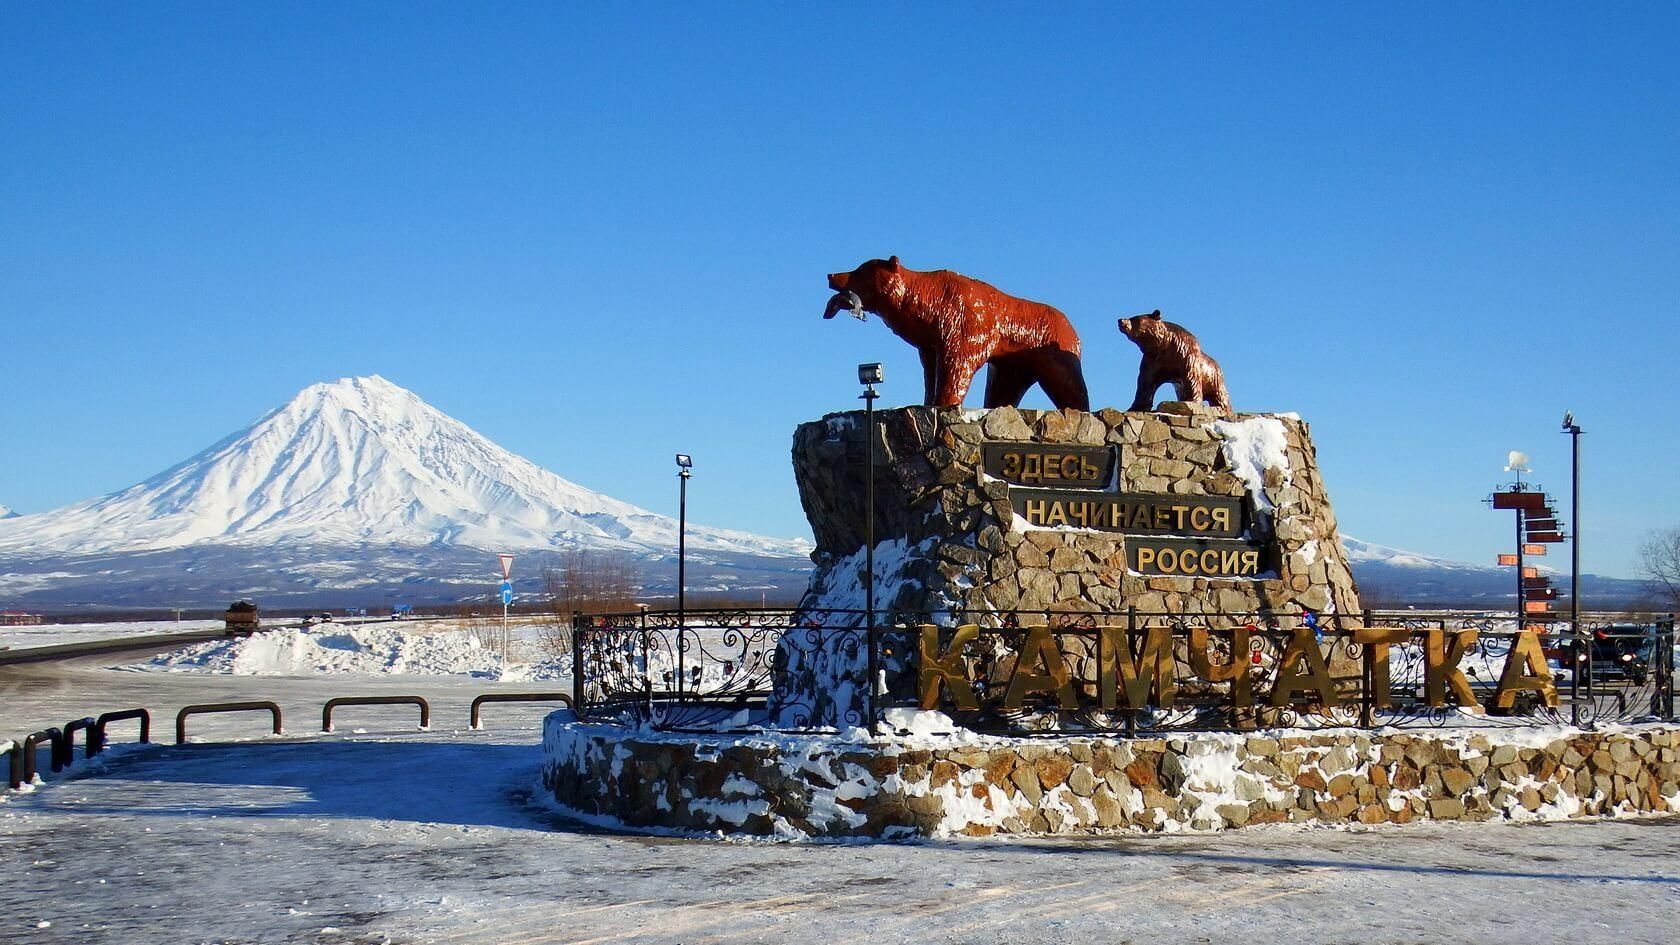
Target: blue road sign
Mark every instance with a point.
(507, 592)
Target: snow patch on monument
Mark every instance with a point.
(1251, 447)
(822, 663)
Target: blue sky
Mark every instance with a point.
(598, 234)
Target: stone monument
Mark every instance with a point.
(1183, 510)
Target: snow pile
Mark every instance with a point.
(331, 648)
(1251, 447)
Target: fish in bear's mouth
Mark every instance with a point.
(846, 299)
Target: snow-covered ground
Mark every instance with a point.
(382, 834)
(52, 634)
(441, 838)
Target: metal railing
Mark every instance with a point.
(31, 744)
(97, 738)
(478, 703)
(1049, 672)
(14, 763)
(21, 757)
(425, 707)
(66, 749)
(218, 707)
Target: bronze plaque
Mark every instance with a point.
(1058, 465)
(1201, 516)
(1191, 557)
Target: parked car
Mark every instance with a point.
(1616, 652)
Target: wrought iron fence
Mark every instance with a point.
(1046, 673)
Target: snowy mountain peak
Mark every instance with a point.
(7, 513)
(362, 461)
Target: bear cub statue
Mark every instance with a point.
(1171, 354)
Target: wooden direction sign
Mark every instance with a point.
(1527, 501)
(1507, 561)
(1538, 550)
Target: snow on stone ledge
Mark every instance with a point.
(1251, 447)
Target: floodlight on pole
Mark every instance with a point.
(685, 469)
(869, 375)
(1574, 431)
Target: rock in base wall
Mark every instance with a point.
(805, 786)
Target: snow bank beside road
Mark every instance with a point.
(367, 651)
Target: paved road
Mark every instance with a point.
(37, 694)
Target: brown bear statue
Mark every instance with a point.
(958, 324)
(1172, 355)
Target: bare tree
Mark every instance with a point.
(1378, 595)
(1659, 558)
(585, 582)
(476, 620)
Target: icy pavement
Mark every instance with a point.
(405, 837)
(438, 839)
(54, 634)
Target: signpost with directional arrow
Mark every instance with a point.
(507, 600)
(1537, 527)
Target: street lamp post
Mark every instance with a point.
(869, 375)
(1574, 431)
(685, 469)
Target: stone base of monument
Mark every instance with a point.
(934, 784)
(1183, 509)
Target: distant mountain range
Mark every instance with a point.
(358, 493)
(355, 492)
(1389, 577)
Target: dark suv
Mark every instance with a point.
(1619, 651)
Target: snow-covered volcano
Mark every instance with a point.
(363, 462)
(7, 513)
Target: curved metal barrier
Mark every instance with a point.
(209, 707)
(14, 767)
(518, 697)
(425, 707)
(32, 742)
(67, 748)
(97, 737)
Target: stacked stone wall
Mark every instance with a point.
(957, 542)
(815, 786)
